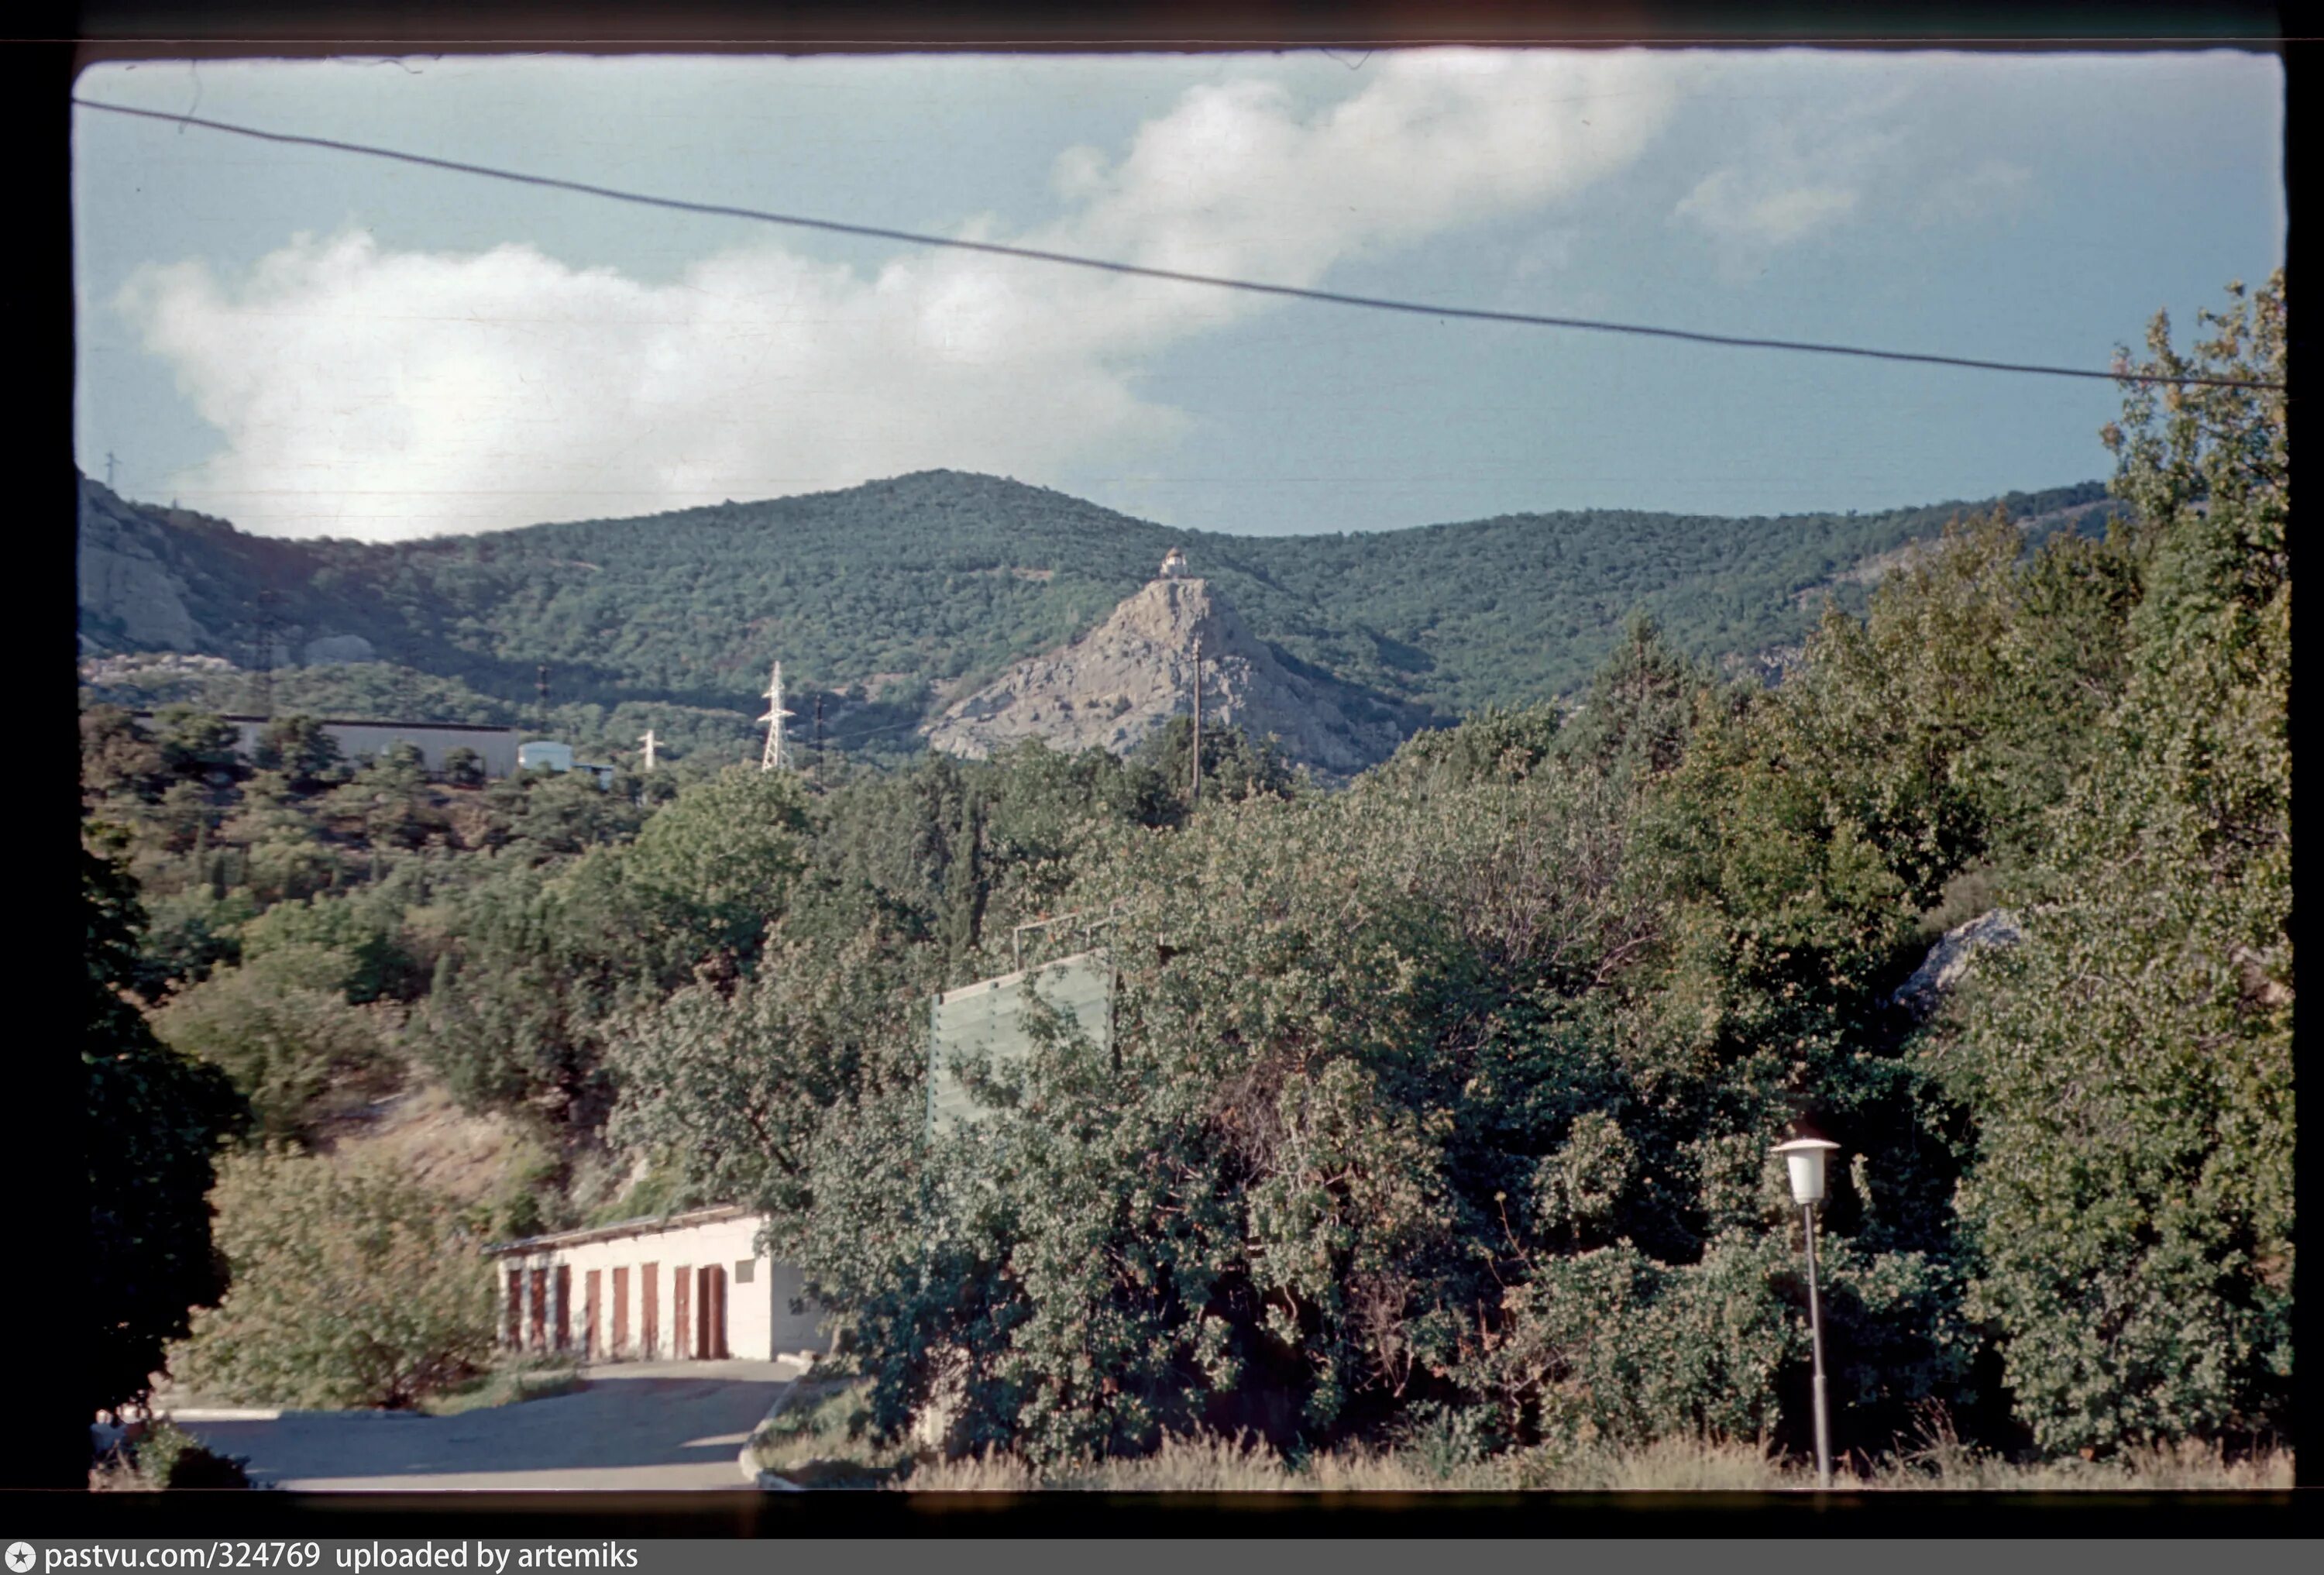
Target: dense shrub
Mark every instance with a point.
(172, 1459)
(282, 1028)
(351, 1288)
(155, 1116)
(2127, 1073)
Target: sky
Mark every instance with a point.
(310, 343)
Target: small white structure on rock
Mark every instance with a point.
(681, 1287)
(1174, 565)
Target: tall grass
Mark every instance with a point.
(1217, 1465)
(1214, 1465)
(818, 1437)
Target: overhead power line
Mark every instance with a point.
(1216, 281)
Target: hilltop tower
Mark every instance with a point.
(771, 757)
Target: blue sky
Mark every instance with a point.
(308, 342)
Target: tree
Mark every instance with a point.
(464, 767)
(352, 1286)
(711, 872)
(362, 932)
(1376, 1067)
(282, 1028)
(2127, 1071)
(296, 746)
(389, 800)
(155, 1116)
(1233, 767)
(116, 757)
(283, 854)
(197, 746)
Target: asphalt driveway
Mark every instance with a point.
(635, 1427)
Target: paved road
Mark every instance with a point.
(636, 1427)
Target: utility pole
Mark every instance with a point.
(541, 688)
(647, 739)
(771, 757)
(108, 470)
(262, 657)
(1195, 785)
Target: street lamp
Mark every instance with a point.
(1805, 1157)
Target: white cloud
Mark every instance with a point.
(1732, 208)
(1878, 152)
(382, 394)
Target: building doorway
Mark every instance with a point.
(710, 1313)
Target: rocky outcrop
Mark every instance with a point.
(338, 647)
(1125, 679)
(130, 599)
(1949, 960)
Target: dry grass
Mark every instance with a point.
(817, 1439)
(1216, 1464)
(1209, 1465)
(424, 1135)
(2174, 1468)
(1668, 1466)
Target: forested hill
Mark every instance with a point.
(921, 586)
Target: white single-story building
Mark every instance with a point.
(548, 755)
(692, 1287)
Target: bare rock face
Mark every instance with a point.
(1125, 679)
(339, 648)
(138, 603)
(1949, 959)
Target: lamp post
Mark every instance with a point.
(1805, 1157)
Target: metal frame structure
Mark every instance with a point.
(1090, 928)
(771, 757)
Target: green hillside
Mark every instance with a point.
(886, 595)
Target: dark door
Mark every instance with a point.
(710, 1314)
(620, 1314)
(539, 1309)
(589, 1346)
(650, 1335)
(681, 1320)
(565, 1306)
(516, 1330)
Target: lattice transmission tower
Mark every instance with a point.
(773, 759)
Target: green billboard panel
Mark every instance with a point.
(989, 1024)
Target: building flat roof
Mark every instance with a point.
(1005, 980)
(358, 721)
(643, 1225)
